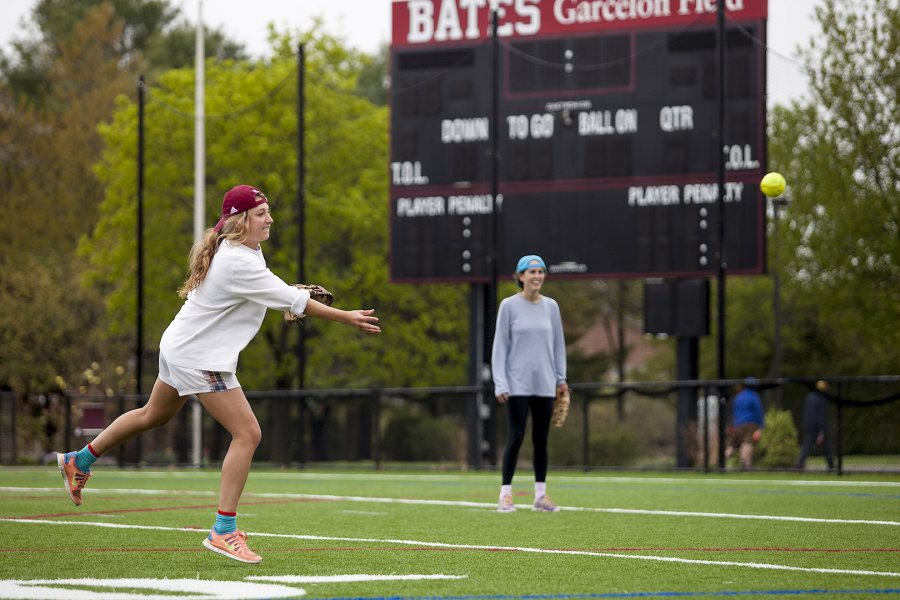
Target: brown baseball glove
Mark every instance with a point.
(317, 293)
(560, 408)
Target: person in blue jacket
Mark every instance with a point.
(746, 421)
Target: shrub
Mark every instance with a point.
(778, 445)
(412, 434)
(617, 446)
(611, 446)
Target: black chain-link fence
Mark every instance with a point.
(652, 425)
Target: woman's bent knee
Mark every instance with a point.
(148, 420)
(251, 435)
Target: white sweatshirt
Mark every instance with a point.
(221, 315)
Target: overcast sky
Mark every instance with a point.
(365, 24)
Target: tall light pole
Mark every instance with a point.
(199, 199)
(777, 202)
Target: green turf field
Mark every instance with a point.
(418, 534)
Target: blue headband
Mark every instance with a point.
(524, 263)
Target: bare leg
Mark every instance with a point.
(231, 409)
(164, 403)
(746, 455)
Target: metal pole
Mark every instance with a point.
(704, 394)
(490, 301)
(840, 430)
(301, 242)
(199, 129)
(67, 435)
(120, 453)
(376, 429)
(139, 350)
(14, 431)
(199, 194)
(301, 202)
(491, 304)
(720, 275)
(477, 363)
(776, 305)
(620, 351)
(586, 430)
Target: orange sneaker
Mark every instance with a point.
(233, 545)
(74, 478)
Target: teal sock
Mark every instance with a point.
(84, 458)
(225, 522)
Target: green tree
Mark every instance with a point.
(47, 154)
(45, 337)
(28, 69)
(373, 77)
(52, 148)
(838, 240)
(585, 305)
(841, 232)
(150, 34)
(55, 87)
(175, 47)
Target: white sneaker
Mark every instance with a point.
(506, 504)
(545, 504)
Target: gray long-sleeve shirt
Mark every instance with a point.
(529, 353)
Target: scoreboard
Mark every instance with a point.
(607, 153)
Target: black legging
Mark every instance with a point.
(541, 409)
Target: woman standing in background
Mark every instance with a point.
(528, 363)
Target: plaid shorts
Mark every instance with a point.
(195, 381)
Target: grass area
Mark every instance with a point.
(865, 460)
(342, 534)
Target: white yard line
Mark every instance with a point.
(668, 559)
(197, 589)
(458, 503)
(348, 578)
(705, 480)
(578, 479)
(151, 589)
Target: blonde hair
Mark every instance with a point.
(235, 229)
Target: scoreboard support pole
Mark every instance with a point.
(680, 307)
(478, 406)
(481, 411)
(723, 265)
(687, 361)
(485, 431)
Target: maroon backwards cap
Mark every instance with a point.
(239, 199)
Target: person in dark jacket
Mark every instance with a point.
(815, 424)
